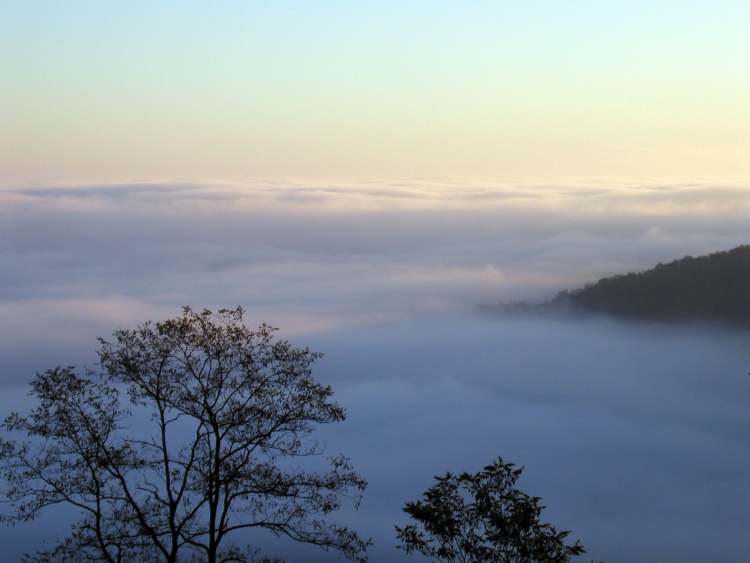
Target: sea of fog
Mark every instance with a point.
(634, 434)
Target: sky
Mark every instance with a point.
(178, 91)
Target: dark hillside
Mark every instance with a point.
(712, 287)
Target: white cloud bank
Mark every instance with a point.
(320, 255)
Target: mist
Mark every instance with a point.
(632, 433)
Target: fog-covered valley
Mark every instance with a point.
(634, 434)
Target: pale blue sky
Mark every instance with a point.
(186, 90)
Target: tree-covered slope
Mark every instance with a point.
(715, 287)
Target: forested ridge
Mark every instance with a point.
(713, 287)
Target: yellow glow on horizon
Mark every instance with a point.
(496, 91)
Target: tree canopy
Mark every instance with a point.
(183, 436)
(483, 518)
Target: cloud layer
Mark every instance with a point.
(319, 255)
(633, 434)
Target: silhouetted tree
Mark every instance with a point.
(482, 518)
(180, 438)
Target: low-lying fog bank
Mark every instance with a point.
(635, 435)
(318, 256)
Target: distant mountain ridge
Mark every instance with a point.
(713, 287)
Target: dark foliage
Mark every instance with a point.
(483, 518)
(712, 287)
(182, 438)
